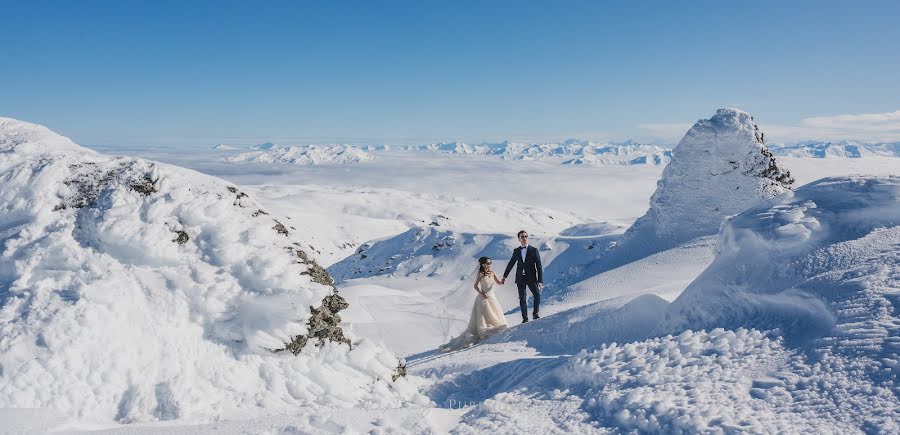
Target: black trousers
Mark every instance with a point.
(523, 302)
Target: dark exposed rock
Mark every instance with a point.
(238, 196)
(258, 212)
(317, 272)
(399, 372)
(766, 165)
(324, 322)
(181, 237)
(280, 229)
(144, 186)
(446, 241)
(323, 325)
(88, 182)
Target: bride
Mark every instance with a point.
(487, 317)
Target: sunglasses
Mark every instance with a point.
(523, 237)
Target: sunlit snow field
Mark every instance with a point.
(339, 207)
(427, 216)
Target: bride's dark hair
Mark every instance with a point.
(481, 262)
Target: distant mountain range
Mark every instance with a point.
(570, 152)
(850, 149)
(302, 154)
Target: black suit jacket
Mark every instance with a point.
(528, 271)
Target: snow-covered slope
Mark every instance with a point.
(417, 285)
(304, 155)
(132, 290)
(804, 262)
(794, 328)
(720, 168)
(849, 149)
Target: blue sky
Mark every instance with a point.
(201, 73)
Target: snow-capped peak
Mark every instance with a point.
(720, 168)
(303, 154)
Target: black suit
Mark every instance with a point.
(529, 272)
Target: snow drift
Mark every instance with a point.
(132, 290)
(799, 261)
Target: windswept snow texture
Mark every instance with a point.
(804, 262)
(822, 266)
(303, 155)
(847, 149)
(132, 290)
(802, 305)
(720, 168)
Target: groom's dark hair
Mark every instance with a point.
(519, 234)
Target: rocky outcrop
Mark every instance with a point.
(720, 168)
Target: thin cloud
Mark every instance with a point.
(864, 127)
(874, 122)
(665, 131)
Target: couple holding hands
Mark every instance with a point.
(487, 316)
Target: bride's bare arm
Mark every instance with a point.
(496, 279)
(477, 287)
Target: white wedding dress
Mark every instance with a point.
(486, 320)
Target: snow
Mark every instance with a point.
(575, 152)
(840, 149)
(801, 308)
(821, 356)
(135, 291)
(776, 313)
(719, 168)
(570, 152)
(790, 249)
(302, 155)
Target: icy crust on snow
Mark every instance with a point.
(720, 168)
(304, 155)
(132, 290)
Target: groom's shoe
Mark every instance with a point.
(524, 320)
(535, 316)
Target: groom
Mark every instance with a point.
(529, 272)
